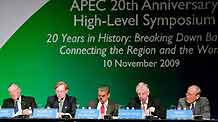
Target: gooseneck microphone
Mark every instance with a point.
(60, 100)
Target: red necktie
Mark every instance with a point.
(102, 109)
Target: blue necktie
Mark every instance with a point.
(16, 107)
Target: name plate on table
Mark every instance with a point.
(180, 114)
(87, 114)
(6, 113)
(130, 114)
(45, 113)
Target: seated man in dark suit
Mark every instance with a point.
(103, 103)
(199, 105)
(144, 101)
(22, 105)
(66, 104)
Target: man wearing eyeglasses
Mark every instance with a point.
(103, 103)
(66, 104)
(193, 101)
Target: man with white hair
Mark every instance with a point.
(199, 105)
(21, 104)
(144, 101)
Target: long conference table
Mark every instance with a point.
(100, 120)
(50, 115)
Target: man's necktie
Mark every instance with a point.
(16, 109)
(102, 110)
(60, 106)
(192, 107)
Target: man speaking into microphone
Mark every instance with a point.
(106, 106)
(66, 104)
(144, 101)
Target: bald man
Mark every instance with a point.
(192, 100)
(20, 103)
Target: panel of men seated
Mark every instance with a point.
(142, 106)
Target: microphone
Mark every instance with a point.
(60, 100)
(60, 104)
(16, 102)
(17, 99)
(100, 99)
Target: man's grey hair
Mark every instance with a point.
(142, 85)
(104, 88)
(14, 84)
(197, 88)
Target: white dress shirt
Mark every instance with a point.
(19, 106)
(105, 106)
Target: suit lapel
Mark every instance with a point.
(138, 103)
(196, 107)
(66, 103)
(109, 108)
(184, 104)
(150, 103)
(11, 103)
(23, 104)
(55, 104)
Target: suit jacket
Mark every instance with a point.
(202, 106)
(112, 108)
(159, 110)
(26, 102)
(69, 105)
